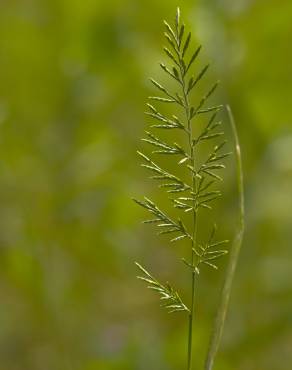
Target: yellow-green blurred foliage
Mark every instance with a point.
(73, 83)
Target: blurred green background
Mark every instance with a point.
(73, 86)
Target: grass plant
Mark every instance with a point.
(195, 190)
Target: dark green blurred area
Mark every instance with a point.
(73, 84)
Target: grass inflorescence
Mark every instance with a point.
(197, 189)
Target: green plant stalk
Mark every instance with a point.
(233, 259)
(195, 217)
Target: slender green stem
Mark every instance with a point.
(194, 233)
(191, 320)
(194, 237)
(236, 246)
